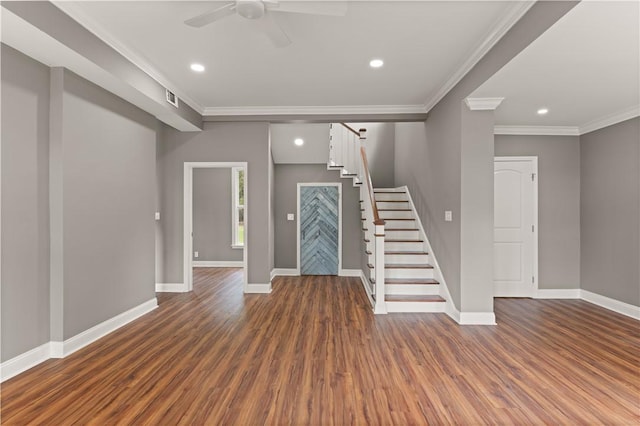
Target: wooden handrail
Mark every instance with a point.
(351, 129)
(376, 216)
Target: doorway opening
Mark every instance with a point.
(215, 212)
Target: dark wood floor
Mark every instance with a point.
(312, 353)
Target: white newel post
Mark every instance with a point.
(344, 142)
(332, 145)
(380, 306)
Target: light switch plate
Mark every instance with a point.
(196, 254)
(448, 216)
(291, 216)
(157, 215)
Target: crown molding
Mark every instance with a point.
(99, 31)
(483, 104)
(591, 126)
(536, 130)
(509, 19)
(610, 119)
(313, 110)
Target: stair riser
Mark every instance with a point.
(396, 214)
(392, 205)
(412, 289)
(401, 235)
(391, 196)
(406, 258)
(416, 306)
(408, 273)
(391, 224)
(418, 246)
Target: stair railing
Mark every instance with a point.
(347, 151)
(373, 219)
(344, 150)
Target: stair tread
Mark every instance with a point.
(392, 281)
(388, 191)
(403, 241)
(402, 229)
(413, 298)
(408, 253)
(408, 266)
(394, 210)
(392, 201)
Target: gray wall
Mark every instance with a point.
(287, 177)
(476, 210)
(25, 204)
(212, 215)
(272, 210)
(77, 205)
(218, 142)
(610, 206)
(558, 204)
(380, 147)
(430, 157)
(108, 184)
(52, 21)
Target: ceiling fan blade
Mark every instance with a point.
(329, 8)
(214, 15)
(273, 31)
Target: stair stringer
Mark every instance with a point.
(354, 179)
(450, 308)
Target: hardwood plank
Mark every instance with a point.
(311, 352)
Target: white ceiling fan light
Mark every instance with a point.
(260, 11)
(250, 9)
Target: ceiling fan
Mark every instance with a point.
(262, 12)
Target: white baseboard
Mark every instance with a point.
(89, 336)
(349, 273)
(218, 264)
(611, 304)
(477, 318)
(57, 349)
(557, 293)
(284, 272)
(450, 309)
(171, 288)
(258, 288)
(25, 361)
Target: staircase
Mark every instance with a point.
(410, 284)
(402, 274)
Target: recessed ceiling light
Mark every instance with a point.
(543, 111)
(299, 142)
(376, 63)
(197, 67)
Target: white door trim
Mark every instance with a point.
(188, 217)
(534, 166)
(339, 185)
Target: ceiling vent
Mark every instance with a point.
(172, 98)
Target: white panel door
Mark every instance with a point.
(513, 236)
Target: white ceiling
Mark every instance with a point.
(315, 148)
(423, 43)
(584, 69)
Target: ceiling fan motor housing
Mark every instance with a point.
(250, 9)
